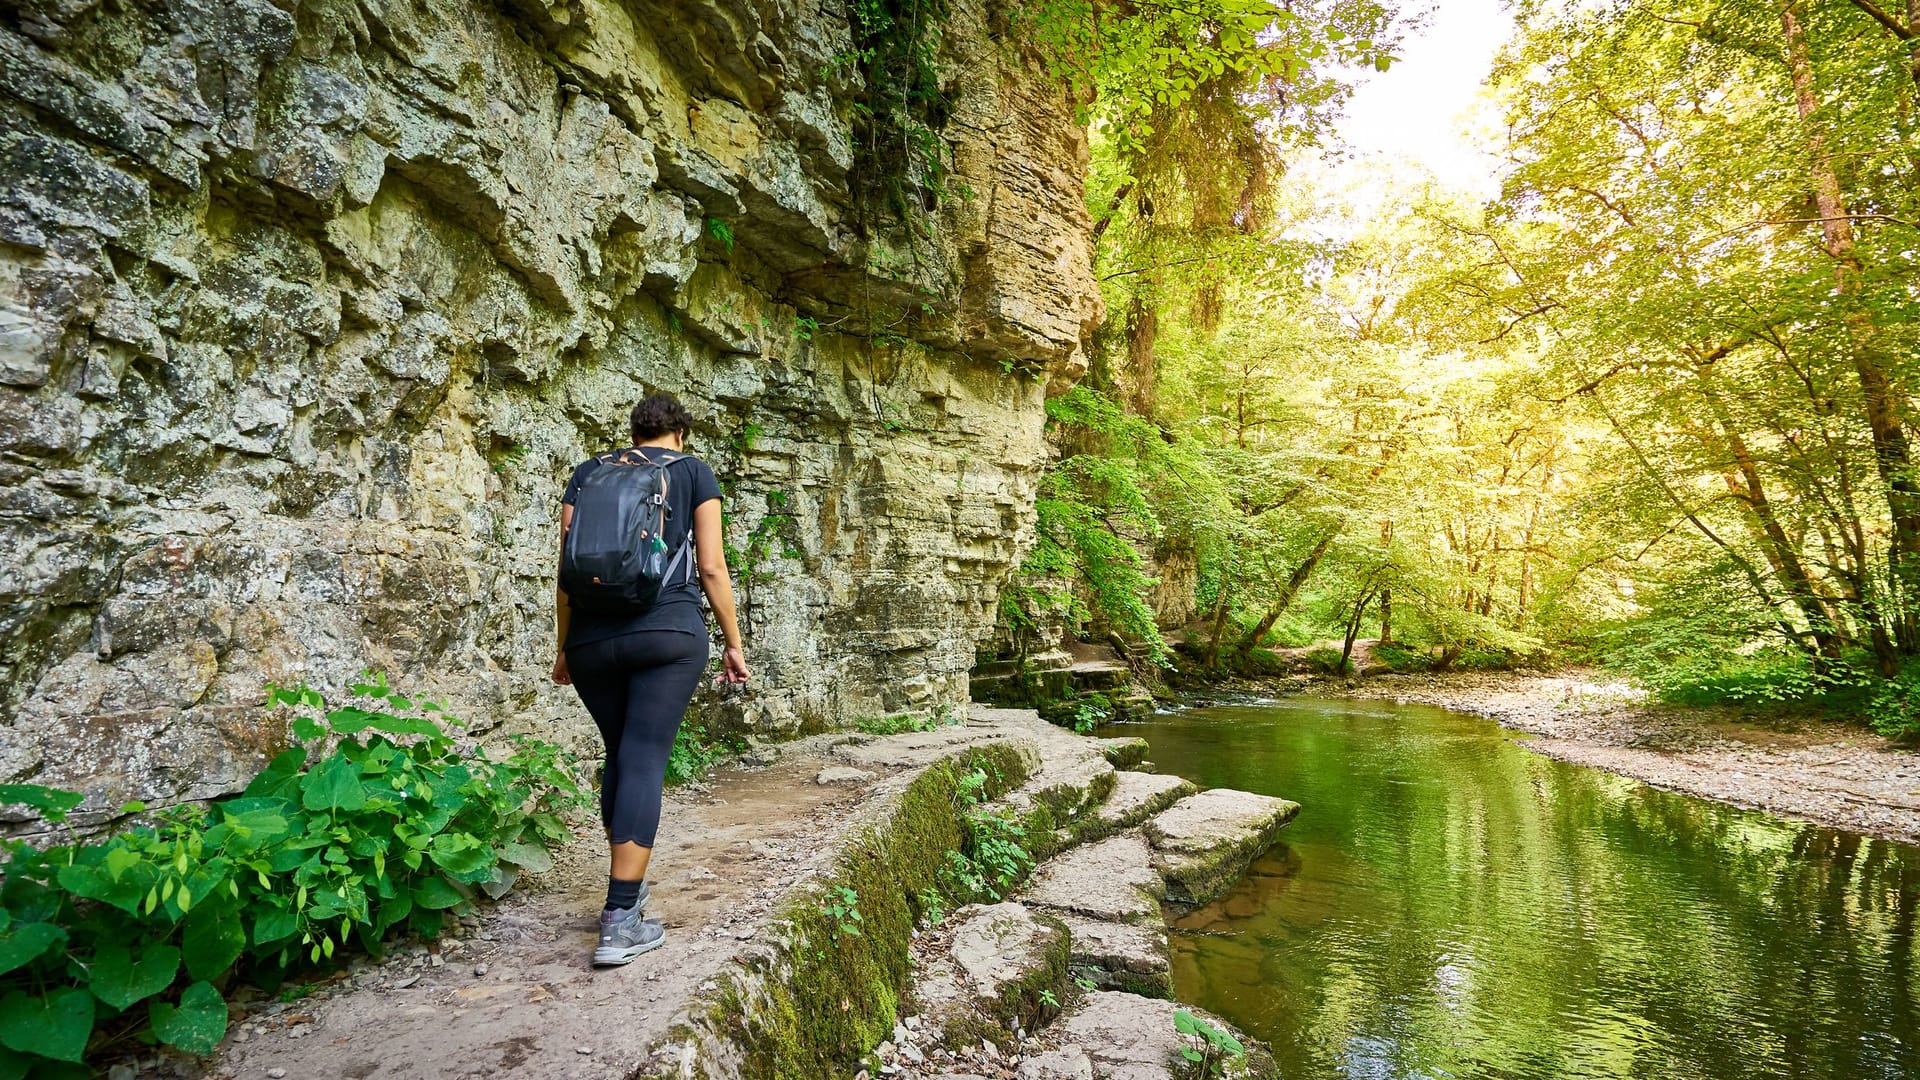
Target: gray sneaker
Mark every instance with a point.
(625, 935)
(641, 903)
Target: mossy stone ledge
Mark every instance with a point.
(813, 998)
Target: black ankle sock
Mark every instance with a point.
(622, 895)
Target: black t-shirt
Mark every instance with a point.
(689, 483)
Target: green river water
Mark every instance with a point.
(1448, 904)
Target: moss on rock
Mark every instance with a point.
(820, 996)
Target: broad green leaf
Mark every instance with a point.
(273, 926)
(334, 785)
(435, 893)
(533, 858)
(211, 939)
(197, 1024)
(461, 855)
(120, 980)
(392, 911)
(281, 776)
(56, 1026)
(50, 803)
(27, 942)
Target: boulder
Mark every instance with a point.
(1204, 842)
(1125, 753)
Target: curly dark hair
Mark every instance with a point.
(659, 414)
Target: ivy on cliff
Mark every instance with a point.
(901, 108)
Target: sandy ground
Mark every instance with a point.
(1819, 771)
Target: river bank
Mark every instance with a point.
(1814, 770)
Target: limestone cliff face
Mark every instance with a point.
(307, 308)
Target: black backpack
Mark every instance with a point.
(615, 555)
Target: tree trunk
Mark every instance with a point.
(1295, 581)
(1353, 631)
(1143, 329)
(1782, 554)
(1386, 595)
(1884, 403)
(1219, 619)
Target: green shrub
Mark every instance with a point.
(1894, 707)
(1483, 658)
(695, 753)
(1403, 657)
(1325, 660)
(378, 821)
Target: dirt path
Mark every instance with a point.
(1814, 770)
(511, 993)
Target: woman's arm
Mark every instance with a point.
(711, 547)
(562, 614)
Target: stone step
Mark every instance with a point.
(1136, 796)
(1205, 842)
(1071, 783)
(1128, 1037)
(1113, 881)
(1121, 956)
(1004, 969)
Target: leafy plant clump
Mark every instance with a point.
(842, 909)
(994, 857)
(1211, 1048)
(1326, 660)
(696, 752)
(900, 723)
(377, 821)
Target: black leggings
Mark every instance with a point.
(637, 687)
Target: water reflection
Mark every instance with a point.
(1449, 905)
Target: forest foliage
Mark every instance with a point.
(1649, 404)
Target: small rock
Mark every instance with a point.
(884, 1050)
(842, 774)
(479, 969)
(437, 961)
(913, 1023)
(583, 1049)
(912, 1055)
(120, 1072)
(276, 1074)
(900, 1034)
(299, 1031)
(402, 984)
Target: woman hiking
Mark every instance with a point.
(634, 645)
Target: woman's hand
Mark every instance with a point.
(733, 666)
(561, 675)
